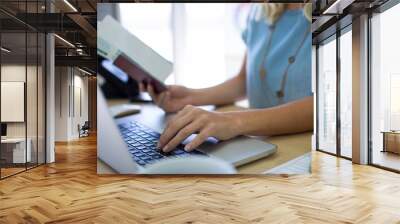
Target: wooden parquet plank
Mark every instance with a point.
(70, 191)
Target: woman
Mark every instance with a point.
(275, 76)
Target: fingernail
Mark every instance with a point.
(187, 148)
(165, 148)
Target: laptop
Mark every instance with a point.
(128, 144)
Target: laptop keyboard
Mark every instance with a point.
(142, 144)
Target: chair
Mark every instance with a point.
(84, 130)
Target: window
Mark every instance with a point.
(394, 102)
(205, 50)
(327, 96)
(385, 88)
(334, 106)
(346, 94)
(151, 23)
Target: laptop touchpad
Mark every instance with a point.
(210, 140)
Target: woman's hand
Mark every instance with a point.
(192, 120)
(171, 100)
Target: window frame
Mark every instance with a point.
(333, 37)
(381, 9)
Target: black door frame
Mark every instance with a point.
(44, 78)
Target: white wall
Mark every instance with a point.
(71, 93)
(62, 80)
(16, 73)
(81, 100)
(33, 126)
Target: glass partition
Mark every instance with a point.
(385, 90)
(327, 96)
(13, 114)
(32, 98)
(346, 94)
(41, 108)
(23, 90)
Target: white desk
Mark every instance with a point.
(18, 150)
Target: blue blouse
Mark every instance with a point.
(292, 33)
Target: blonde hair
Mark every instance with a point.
(274, 10)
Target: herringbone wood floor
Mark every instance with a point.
(69, 191)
